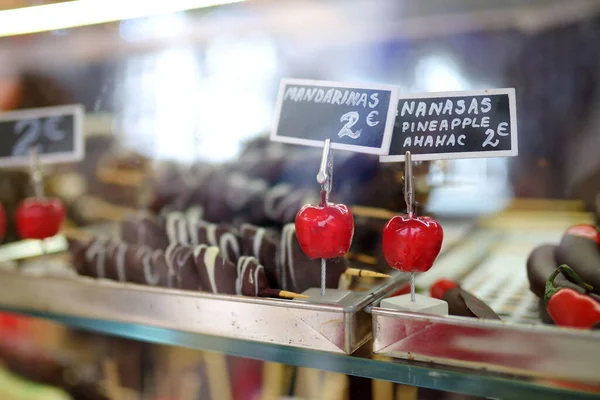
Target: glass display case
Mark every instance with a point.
(149, 246)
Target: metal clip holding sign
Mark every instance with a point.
(37, 178)
(325, 178)
(409, 198)
(334, 115)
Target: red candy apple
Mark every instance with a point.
(411, 244)
(440, 287)
(39, 218)
(325, 231)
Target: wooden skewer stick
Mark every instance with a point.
(76, 233)
(268, 292)
(291, 295)
(365, 273)
(120, 176)
(93, 207)
(372, 212)
(218, 376)
(363, 258)
(112, 381)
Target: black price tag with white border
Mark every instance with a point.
(445, 125)
(56, 132)
(354, 117)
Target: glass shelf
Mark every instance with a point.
(479, 383)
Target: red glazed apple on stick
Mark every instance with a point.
(325, 231)
(411, 243)
(39, 217)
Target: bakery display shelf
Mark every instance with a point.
(340, 327)
(519, 343)
(337, 328)
(477, 383)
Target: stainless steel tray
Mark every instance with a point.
(491, 265)
(339, 328)
(533, 350)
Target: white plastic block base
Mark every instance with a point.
(332, 296)
(422, 304)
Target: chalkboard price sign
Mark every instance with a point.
(359, 118)
(56, 132)
(435, 126)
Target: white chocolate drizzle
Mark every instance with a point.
(177, 228)
(256, 270)
(222, 241)
(230, 238)
(271, 197)
(170, 268)
(194, 221)
(151, 276)
(287, 259)
(242, 264)
(259, 235)
(141, 228)
(210, 259)
(194, 214)
(98, 249)
(211, 234)
(120, 261)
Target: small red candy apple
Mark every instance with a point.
(39, 218)
(325, 230)
(411, 244)
(440, 287)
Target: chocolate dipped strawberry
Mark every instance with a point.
(39, 218)
(325, 230)
(411, 244)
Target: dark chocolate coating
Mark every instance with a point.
(115, 260)
(95, 256)
(134, 263)
(462, 303)
(261, 244)
(77, 249)
(222, 236)
(251, 279)
(217, 275)
(298, 272)
(176, 228)
(540, 265)
(159, 267)
(144, 230)
(184, 272)
(582, 255)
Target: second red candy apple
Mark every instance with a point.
(39, 218)
(411, 244)
(325, 231)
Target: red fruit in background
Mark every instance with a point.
(440, 287)
(412, 244)
(2, 222)
(585, 231)
(39, 218)
(325, 231)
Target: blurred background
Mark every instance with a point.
(175, 92)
